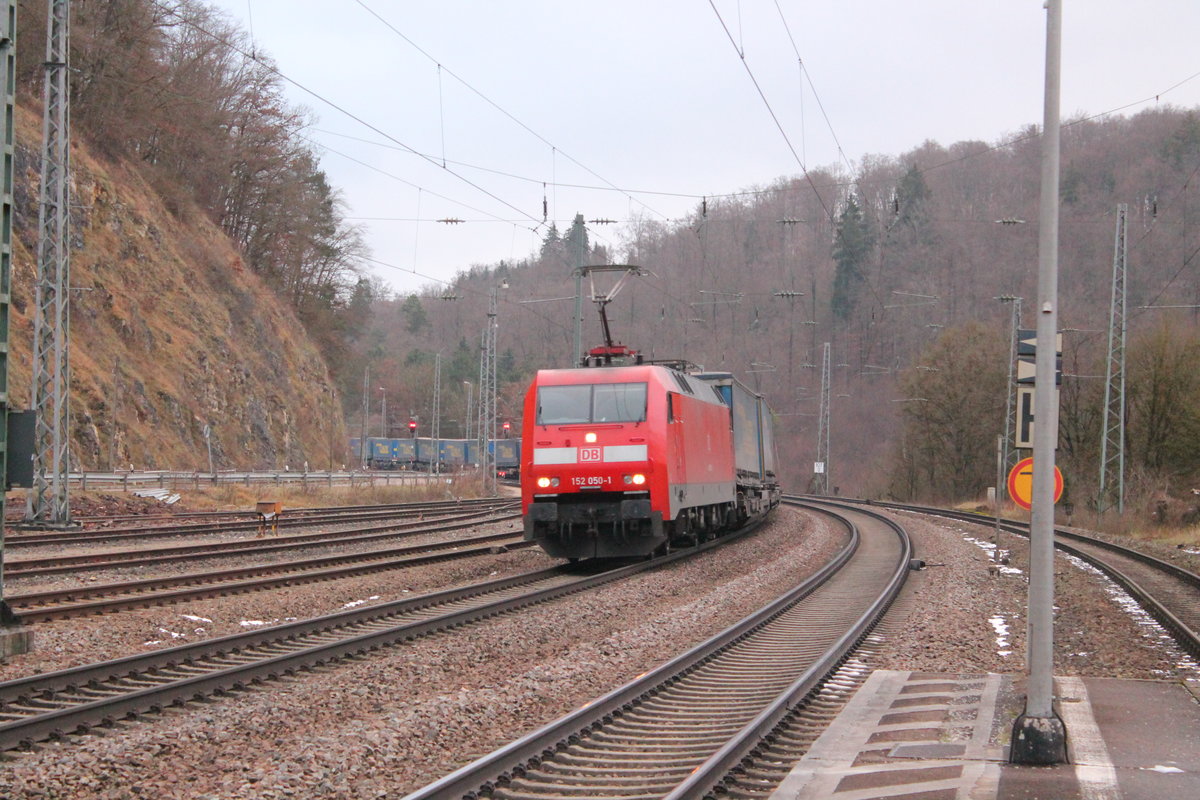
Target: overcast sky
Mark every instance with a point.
(647, 103)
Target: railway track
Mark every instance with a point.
(77, 700)
(95, 598)
(685, 728)
(231, 522)
(1167, 592)
(196, 551)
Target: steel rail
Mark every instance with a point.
(141, 593)
(1179, 612)
(716, 769)
(115, 559)
(511, 770)
(292, 519)
(81, 690)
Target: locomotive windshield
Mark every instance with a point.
(599, 402)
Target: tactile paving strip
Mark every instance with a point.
(905, 736)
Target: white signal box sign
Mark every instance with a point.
(819, 467)
(1023, 436)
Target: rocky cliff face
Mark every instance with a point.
(169, 334)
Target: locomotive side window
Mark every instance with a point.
(573, 405)
(619, 402)
(564, 405)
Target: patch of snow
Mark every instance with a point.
(1000, 626)
(996, 555)
(1161, 768)
(1150, 628)
(194, 618)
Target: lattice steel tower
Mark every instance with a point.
(8, 32)
(487, 397)
(48, 500)
(1112, 444)
(823, 425)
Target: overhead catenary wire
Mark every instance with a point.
(771, 111)
(806, 75)
(405, 181)
(341, 109)
(500, 108)
(1157, 96)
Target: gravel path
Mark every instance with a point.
(387, 724)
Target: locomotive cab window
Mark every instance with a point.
(601, 402)
(619, 402)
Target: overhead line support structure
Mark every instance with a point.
(1008, 447)
(487, 395)
(1112, 445)
(14, 637)
(48, 504)
(823, 424)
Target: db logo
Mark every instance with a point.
(589, 454)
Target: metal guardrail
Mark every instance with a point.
(128, 481)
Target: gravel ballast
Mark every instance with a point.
(386, 724)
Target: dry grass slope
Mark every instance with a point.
(169, 332)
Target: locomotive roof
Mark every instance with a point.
(624, 374)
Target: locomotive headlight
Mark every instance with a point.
(637, 479)
(590, 438)
(543, 482)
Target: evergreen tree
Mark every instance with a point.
(414, 312)
(552, 244)
(851, 249)
(576, 240)
(912, 196)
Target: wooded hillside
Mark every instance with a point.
(900, 267)
(196, 184)
(207, 253)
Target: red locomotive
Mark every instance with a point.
(626, 460)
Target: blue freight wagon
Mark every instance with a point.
(404, 453)
(379, 453)
(508, 457)
(453, 453)
(426, 454)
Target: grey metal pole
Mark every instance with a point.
(1000, 450)
(1011, 389)
(437, 414)
(580, 255)
(1039, 735)
(366, 399)
(467, 432)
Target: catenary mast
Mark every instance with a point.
(48, 498)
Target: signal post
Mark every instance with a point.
(1039, 735)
